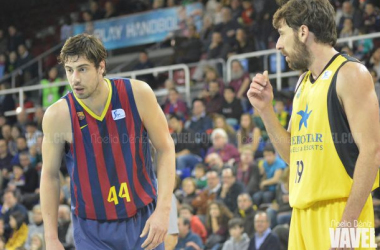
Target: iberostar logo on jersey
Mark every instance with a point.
(348, 235)
(303, 141)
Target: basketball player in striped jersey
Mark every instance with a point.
(103, 127)
(332, 143)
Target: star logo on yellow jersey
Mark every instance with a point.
(305, 115)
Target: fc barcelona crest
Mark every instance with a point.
(80, 115)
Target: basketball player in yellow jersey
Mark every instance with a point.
(332, 144)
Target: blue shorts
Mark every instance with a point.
(115, 235)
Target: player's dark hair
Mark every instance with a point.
(84, 45)
(317, 15)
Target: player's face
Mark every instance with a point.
(297, 55)
(83, 77)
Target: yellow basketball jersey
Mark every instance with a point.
(323, 153)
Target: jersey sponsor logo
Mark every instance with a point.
(305, 116)
(118, 114)
(326, 75)
(81, 115)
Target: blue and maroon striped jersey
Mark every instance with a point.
(109, 160)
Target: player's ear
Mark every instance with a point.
(303, 33)
(102, 67)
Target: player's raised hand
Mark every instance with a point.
(260, 92)
(156, 228)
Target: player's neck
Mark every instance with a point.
(97, 101)
(322, 55)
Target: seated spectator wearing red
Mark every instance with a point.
(231, 188)
(175, 105)
(217, 219)
(209, 194)
(231, 107)
(246, 212)
(196, 225)
(247, 172)
(212, 98)
(220, 145)
(248, 15)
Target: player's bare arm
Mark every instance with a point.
(155, 123)
(260, 95)
(55, 124)
(355, 90)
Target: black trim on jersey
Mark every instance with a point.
(311, 79)
(67, 147)
(344, 143)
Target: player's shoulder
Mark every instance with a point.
(353, 74)
(57, 116)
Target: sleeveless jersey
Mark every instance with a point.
(323, 152)
(109, 160)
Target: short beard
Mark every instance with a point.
(237, 75)
(301, 57)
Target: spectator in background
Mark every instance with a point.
(196, 225)
(19, 233)
(188, 50)
(217, 219)
(211, 75)
(243, 44)
(38, 116)
(12, 63)
(220, 122)
(282, 115)
(7, 103)
(249, 134)
(374, 61)
(236, 9)
(348, 11)
(248, 15)
(212, 98)
(239, 239)
(36, 227)
(32, 133)
(3, 42)
(37, 242)
(228, 27)
(231, 107)
(5, 160)
(206, 32)
(110, 10)
(371, 18)
(264, 239)
(200, 176)
(246, 212)
(201, 202)
(239, 80)
(145, 63)
(348, 29)
(363, 46)
(230, 189)
(10, 205)
(200, 123)
(12, 144)
(95, 10)
(187, 239)
(175, 105)
(6, 132)
(247, 172)
(218, 48)
(64, 222)
(272, 166)
(189, 188)
(220, 145)
(15, 38)
(187, 151)
(16, 178)
(376, 81)
(30, 191)
(21, 148)
(66, 28)
(54, 93)
(215, 162)
(25, 57)
(3, 65)
(280, 212)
